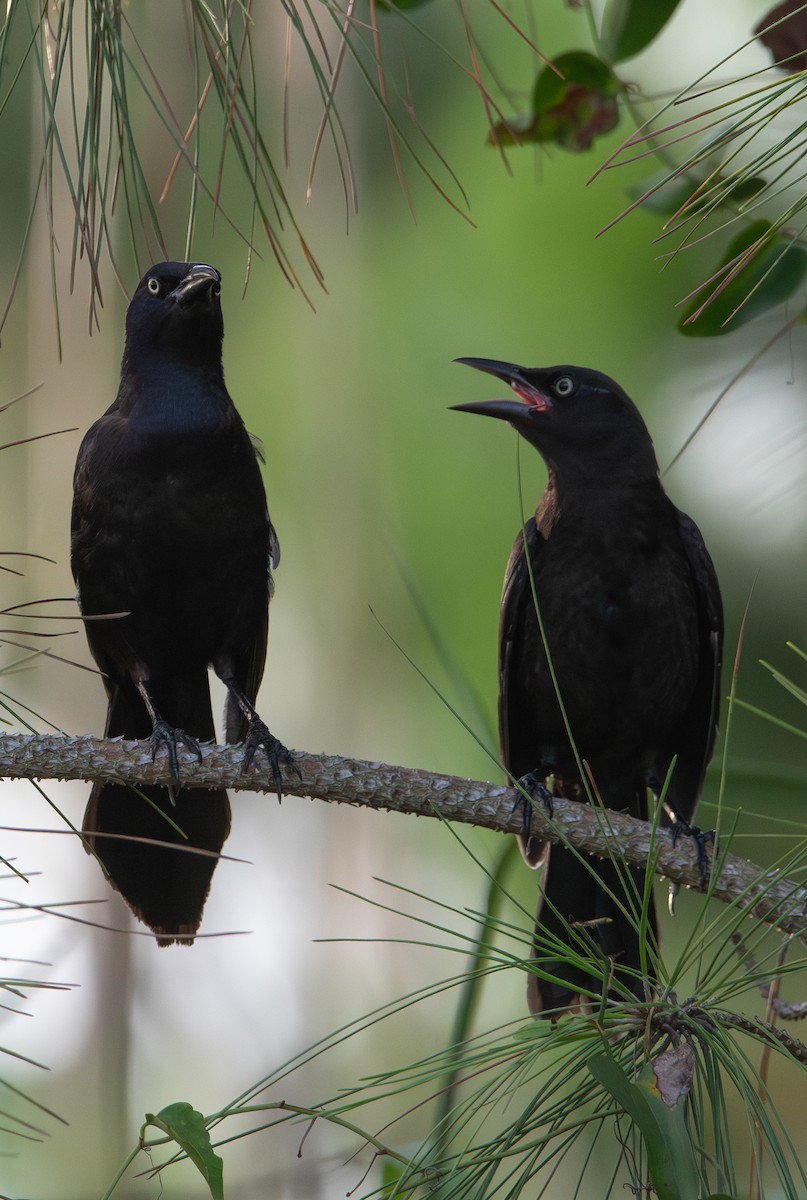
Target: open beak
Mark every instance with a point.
(507, 410)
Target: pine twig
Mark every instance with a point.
(331, 778)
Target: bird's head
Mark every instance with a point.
(579, 420)
(176, 311)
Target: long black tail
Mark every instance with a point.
(165, 888)
(592, 907)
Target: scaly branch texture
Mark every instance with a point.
(775, 900)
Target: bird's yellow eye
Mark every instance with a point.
(153, 286)
(564, 385)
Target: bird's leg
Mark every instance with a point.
(701, 838)
(163, 734)
(532, 786)
(258, 734)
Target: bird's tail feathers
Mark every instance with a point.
(165, 885)
(593, 907)
(162, 879)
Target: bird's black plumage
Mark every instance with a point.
(170, 527)
(631, 610)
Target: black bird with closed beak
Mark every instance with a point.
(633, 626)
(170, 528)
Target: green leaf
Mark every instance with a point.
(663, 193)
(570, 109)
(670, 1156)
(576, 67)
(774, 273)
(746, 189)
(628, 26)
(187, 1128)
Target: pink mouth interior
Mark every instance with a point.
(530, 395)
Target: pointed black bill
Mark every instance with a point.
(491, 366)
(200, 281)
(529, 397)
(505, 410)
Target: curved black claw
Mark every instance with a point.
(163, 734)
(260, 735)
(533, 785)
(701, 838)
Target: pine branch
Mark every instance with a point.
(767, 896)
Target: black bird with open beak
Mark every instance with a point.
(633, 627)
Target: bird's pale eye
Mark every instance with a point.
(153, 286)
(564, 385)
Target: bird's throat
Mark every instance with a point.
(169, 406)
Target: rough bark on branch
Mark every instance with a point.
(777, 901)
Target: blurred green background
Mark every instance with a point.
(395, 518)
